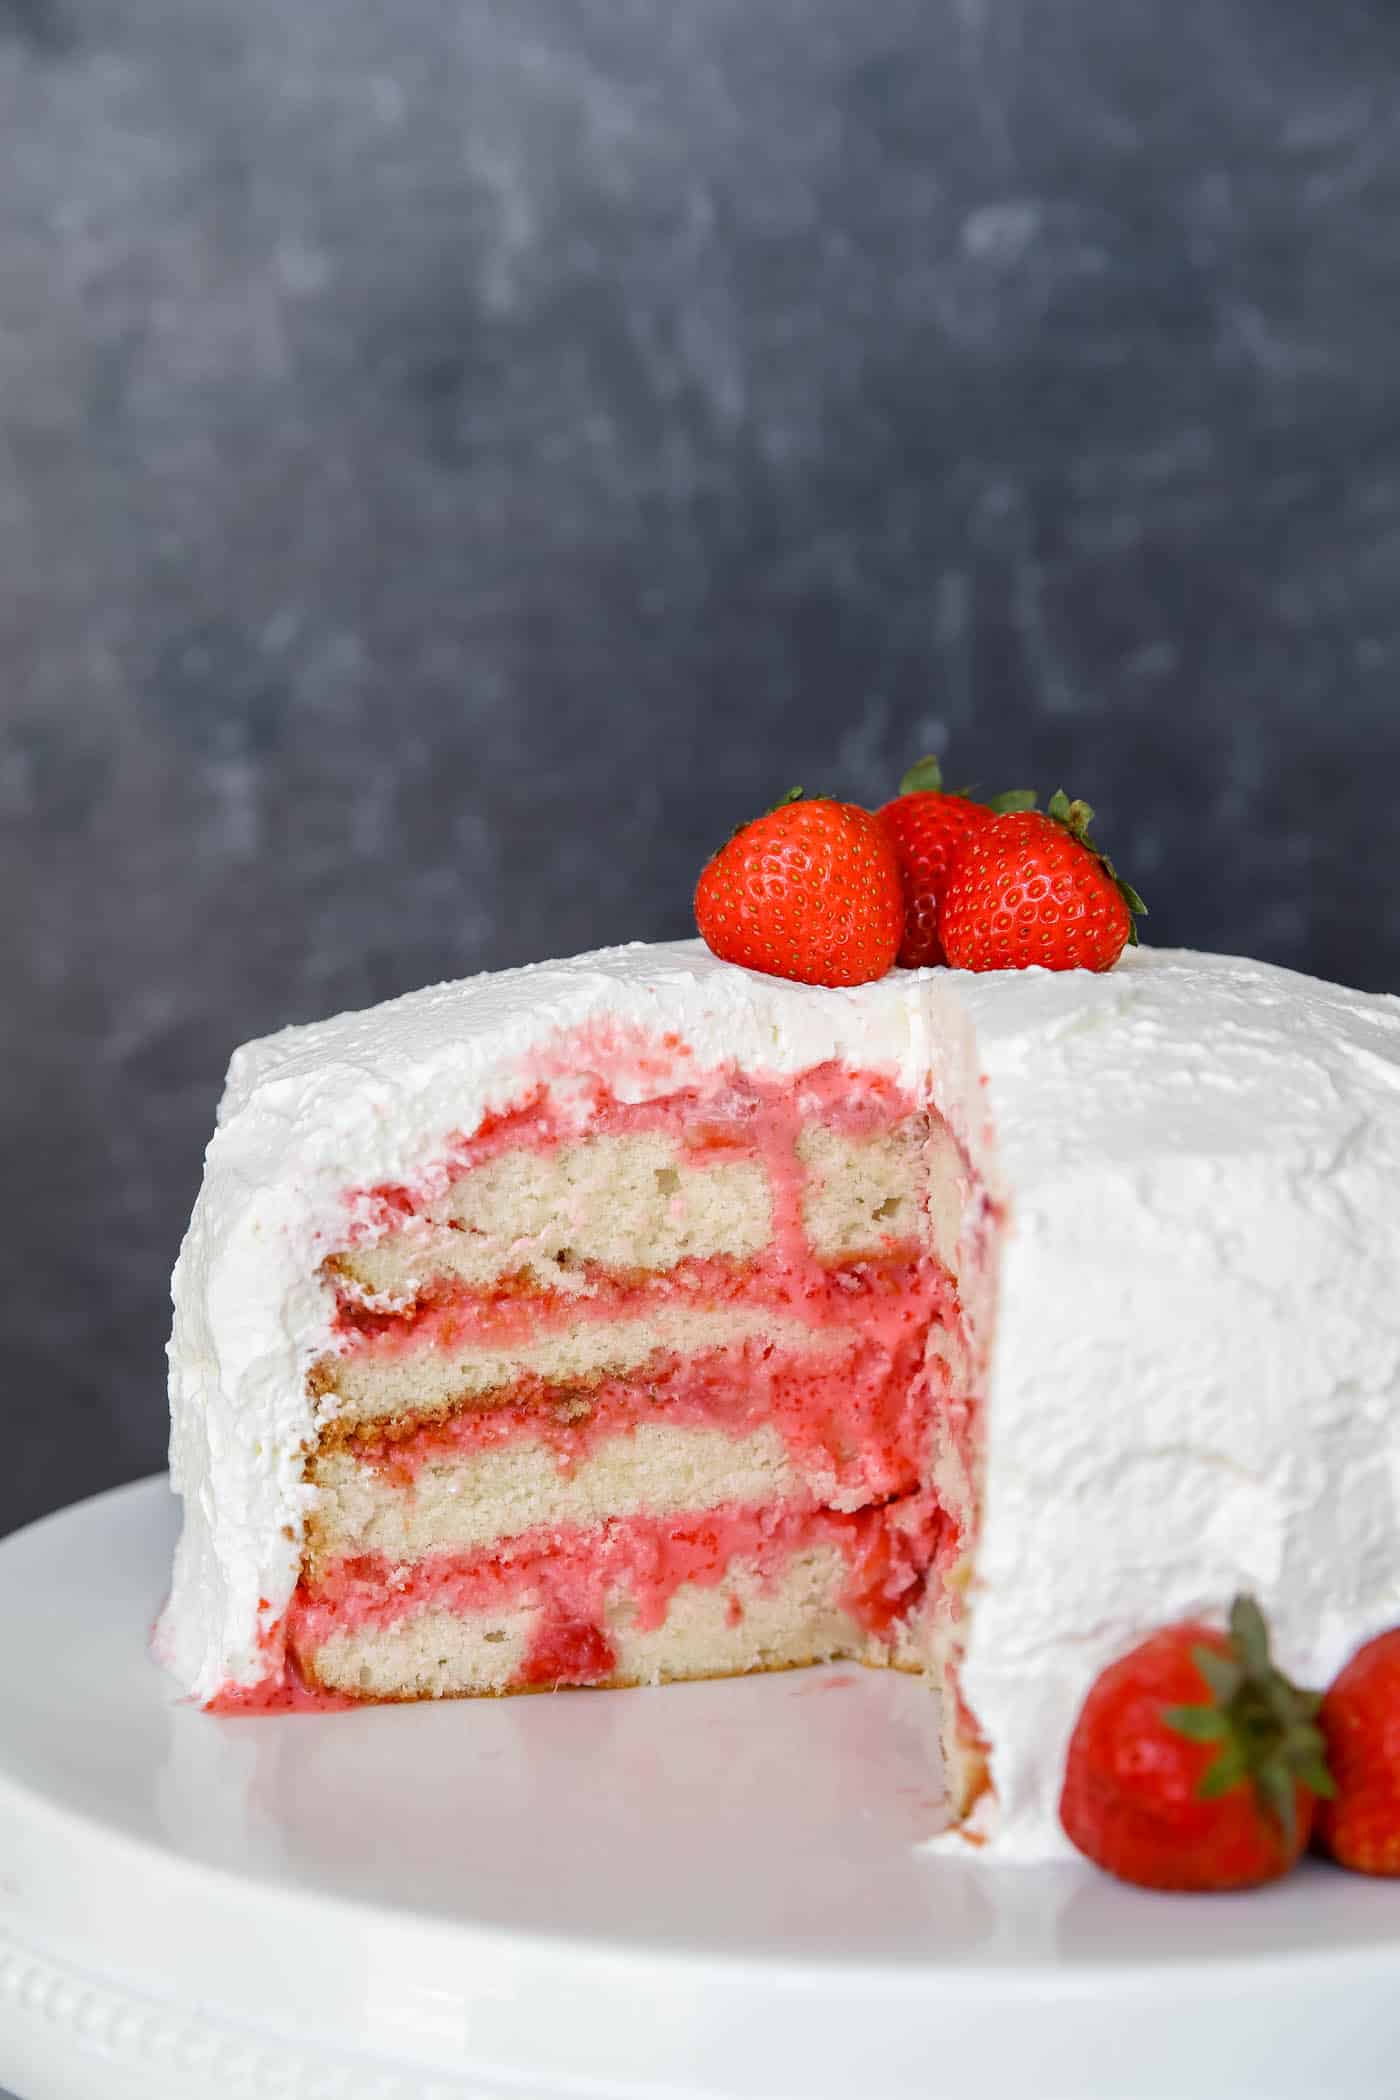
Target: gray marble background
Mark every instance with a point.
(457, 458)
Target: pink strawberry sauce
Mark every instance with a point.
(571, 1575)
(447, 1315)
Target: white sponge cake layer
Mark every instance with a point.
(430, 1655)
(550, 1219)
(709, 1630)
(620, 1203)
(862, 1192)
(485, 1497)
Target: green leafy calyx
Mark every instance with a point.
(1265, 1727)
(1076, 817)
(925, 777)
(794, 794)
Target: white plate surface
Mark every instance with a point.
(711, 1889)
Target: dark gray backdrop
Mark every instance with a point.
(457, 459)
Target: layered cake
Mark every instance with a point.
(641, 1317)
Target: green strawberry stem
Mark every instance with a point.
(925, 777)
(1076, 817)
(1265, 1726)
(794, 794)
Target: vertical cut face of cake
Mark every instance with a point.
(625, 1391)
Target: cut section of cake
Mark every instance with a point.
(641, 1318)
(646, 1396)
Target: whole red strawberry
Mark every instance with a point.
(928, 824)
(1194, 1763)
(1360, 1718)
(810, 891)
(1031, 889)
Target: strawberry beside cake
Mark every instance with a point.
(641, 1317)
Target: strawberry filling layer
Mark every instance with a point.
(735, 1116)
(572, 1577)
(859, 1418)
(729, 1113)
(446, 1315)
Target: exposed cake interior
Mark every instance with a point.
(624, 1391)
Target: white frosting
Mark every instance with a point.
(1195, 1377)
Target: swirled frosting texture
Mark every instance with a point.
(1190, 1312)
(1196, 1378)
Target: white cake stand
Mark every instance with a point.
(709, 1890)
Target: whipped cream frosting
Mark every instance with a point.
(1193, 1327)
